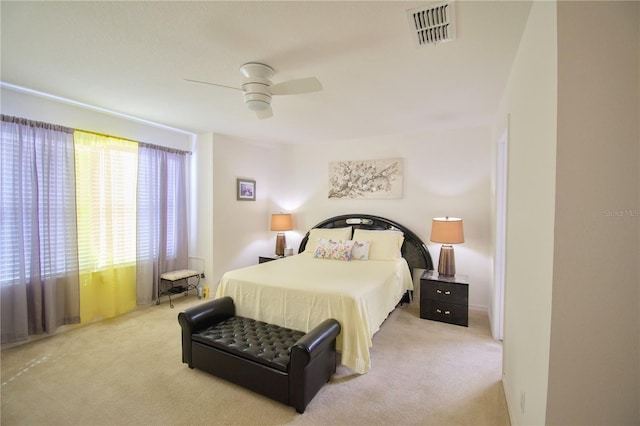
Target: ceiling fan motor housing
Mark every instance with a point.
(256, 85)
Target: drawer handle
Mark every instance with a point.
(445, 312)
(447, 292)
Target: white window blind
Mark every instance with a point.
(148, 205)
(172, 224)
(106, 170)
(37, 201)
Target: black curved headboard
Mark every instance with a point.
(413, 249)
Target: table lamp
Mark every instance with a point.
(447, 230)
(281, 222)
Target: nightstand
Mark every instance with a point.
(268, 258)
(444, 299)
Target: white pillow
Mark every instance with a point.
(384, 245)
(327, 234)
(333, 249)
(360, 250)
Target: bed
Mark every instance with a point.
(334, 276)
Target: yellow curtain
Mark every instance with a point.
(106, 173)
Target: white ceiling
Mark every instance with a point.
(132, 57)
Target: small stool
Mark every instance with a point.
(174, 277)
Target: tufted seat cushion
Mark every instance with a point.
(258, 341)
(286, 365)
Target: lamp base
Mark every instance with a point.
(280, 244)
(447, 262)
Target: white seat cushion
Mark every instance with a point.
(179, 275)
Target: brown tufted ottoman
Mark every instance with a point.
(286, 365)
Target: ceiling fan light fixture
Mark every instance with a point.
(256, 105)
(257, 101)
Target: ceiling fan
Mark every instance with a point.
(257, 87)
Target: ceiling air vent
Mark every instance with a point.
(433, 24)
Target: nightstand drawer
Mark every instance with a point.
(445, 292)
(445, 312)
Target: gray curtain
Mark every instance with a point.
(162, 227)
(39, 280)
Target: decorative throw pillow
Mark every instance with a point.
(333, 249)
(360, 250)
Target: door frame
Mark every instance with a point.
(502, 160)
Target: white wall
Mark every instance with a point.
(33, 107)
(571, 351)
(241, 228)
(201, 223)
(594, 363)
(530, 104)
(445, 173)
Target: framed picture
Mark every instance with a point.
(380, 179)
(246, 189)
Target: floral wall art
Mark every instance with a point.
(366, 179)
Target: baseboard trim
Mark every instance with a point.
(479, 308)
(507, 396)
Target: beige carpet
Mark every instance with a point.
(128, 371)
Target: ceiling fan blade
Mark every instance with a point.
(212, 84)
(264, 113)
(296, 87)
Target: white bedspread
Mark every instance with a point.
(299, 292)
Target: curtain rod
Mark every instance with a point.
(42, 124)
(34, 123)
(142, 144)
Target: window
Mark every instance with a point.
(106, 170)
(37, 200)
